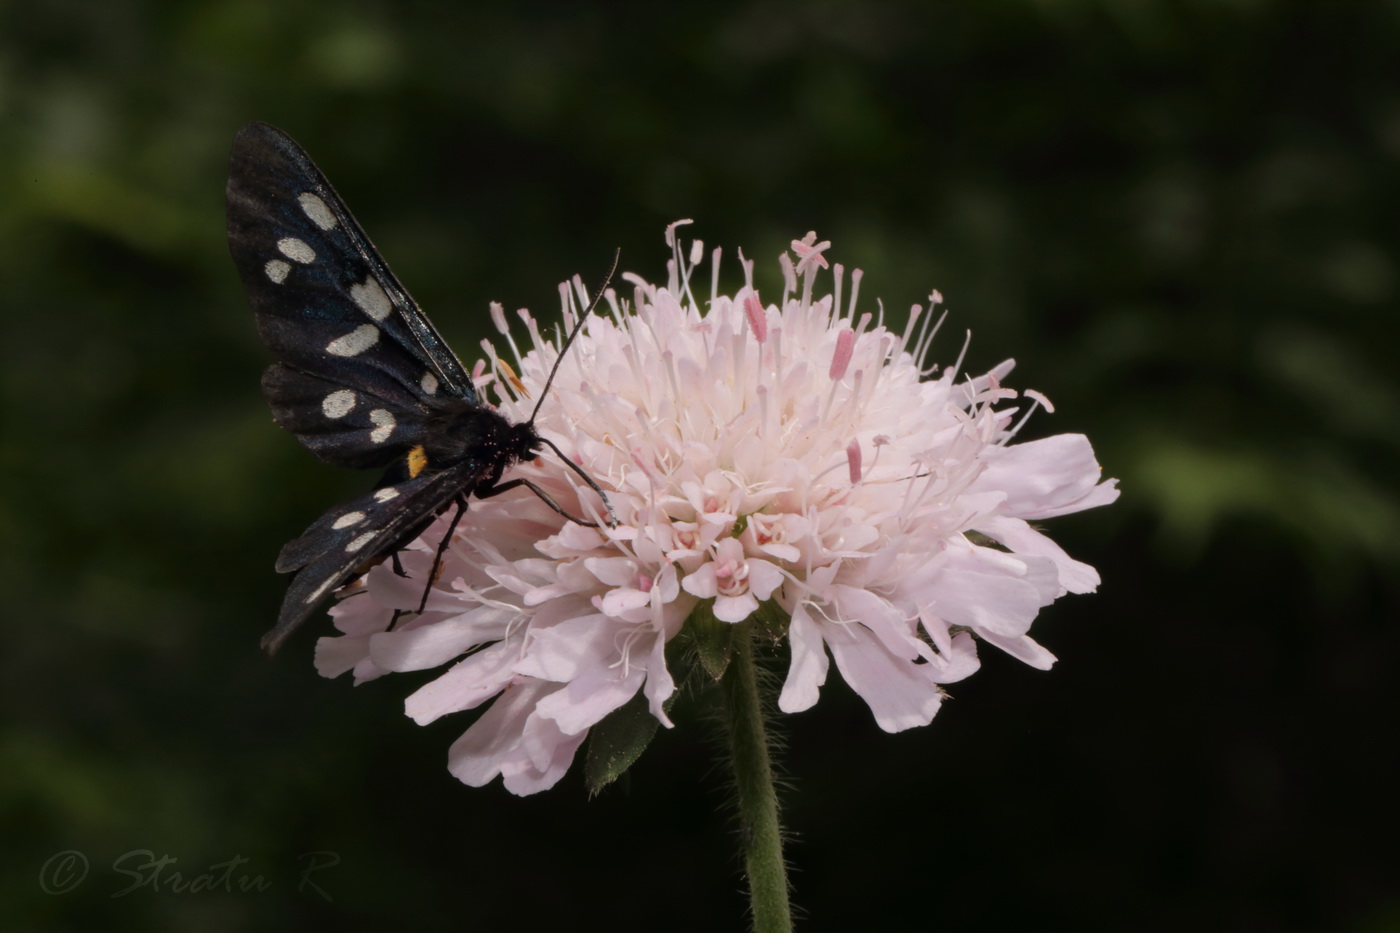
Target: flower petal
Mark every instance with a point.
(1075, 577)
(586, 699)
(807, 672)
(897, 691)
(476, 757)
(1047, 477)
(735, 608)
(467, 684)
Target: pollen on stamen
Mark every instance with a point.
(513, 379)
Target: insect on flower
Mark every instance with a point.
(362, 377)
(789, 465)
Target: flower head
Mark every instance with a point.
(788, 459)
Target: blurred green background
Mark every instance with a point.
(1180, 217)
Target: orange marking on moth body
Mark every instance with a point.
(417, 460)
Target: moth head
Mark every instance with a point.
(522, 442)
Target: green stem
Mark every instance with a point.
(758, 798)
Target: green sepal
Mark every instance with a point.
(771, 621)
(714, 640)
(618, 741)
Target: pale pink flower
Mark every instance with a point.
(792, 453)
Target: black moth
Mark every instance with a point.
(363, 379)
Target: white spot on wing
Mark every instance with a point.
(296, 250)
(277, 270)
(338, 404)
(360, 542)
(369, 295)
(348, 519)
(384, 421)
(319, 591)
(385, 494)
(354, 343)
(316, 209)
(429, 382)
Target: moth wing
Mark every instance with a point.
(324, 301)
(357, 428)
(337, 547)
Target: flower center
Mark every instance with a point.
(731, 577)
(768, 529)
(687, 536)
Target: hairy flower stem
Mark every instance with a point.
(759, 829)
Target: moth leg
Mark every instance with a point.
(544, 497)
(398, 571)
(441, 549)
(592, 483)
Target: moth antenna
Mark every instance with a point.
(568, 341)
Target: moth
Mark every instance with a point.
(362, 377)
